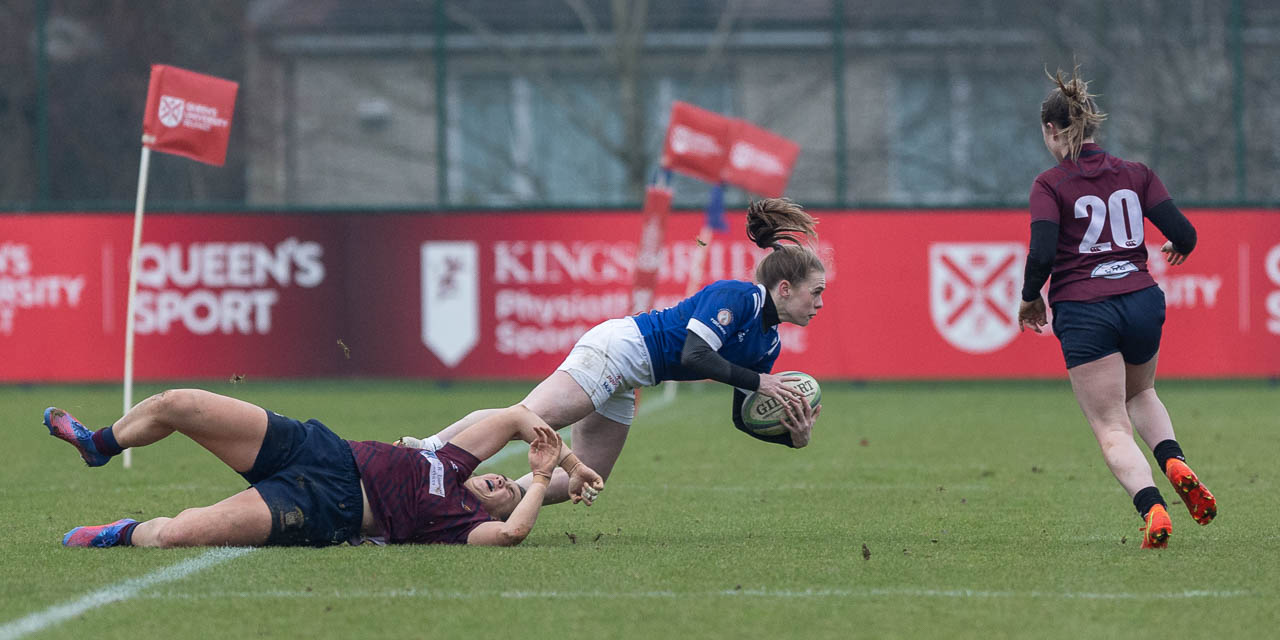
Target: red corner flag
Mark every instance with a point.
(189, 114)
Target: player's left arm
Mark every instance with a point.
(487, 437)
(544, 452)
(1177, 229)
(698, 356)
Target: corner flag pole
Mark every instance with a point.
(143, 169)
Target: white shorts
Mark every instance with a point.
(610, 362)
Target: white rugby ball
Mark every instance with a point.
(763, 415)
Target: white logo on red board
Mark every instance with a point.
(974, 293)
(1272, 266)
(450, 299)
(22, 288)
(1183, 288)
(171, 109)
(225, 288)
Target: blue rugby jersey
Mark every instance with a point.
(726, 314)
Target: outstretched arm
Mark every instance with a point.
(544, 451)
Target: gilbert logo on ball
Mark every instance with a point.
(763, 414)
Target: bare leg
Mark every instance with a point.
(560, 401)
(1100, 389)
(241, 520)
(446, 434)
(1146, 411)
(231, 429)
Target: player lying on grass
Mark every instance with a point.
(312, 488)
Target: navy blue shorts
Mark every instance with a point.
(308, 477)
(1130, 323)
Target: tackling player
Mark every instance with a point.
(312, 488)
(727, 332)
(1087, 230)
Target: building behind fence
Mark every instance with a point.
(439, 104)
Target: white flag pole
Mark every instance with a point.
(143, 169)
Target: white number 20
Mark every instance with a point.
(1122, 205)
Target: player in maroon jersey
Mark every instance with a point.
(312, 488)
(1087, 231)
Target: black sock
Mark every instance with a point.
(105, 442)
(1147, 498)
(126, 534)
(1165, 450)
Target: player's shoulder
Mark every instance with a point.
(1132, 166)
(740, 292)
(743, 287)
(1052, 176)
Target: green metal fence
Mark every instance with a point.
(446, 104)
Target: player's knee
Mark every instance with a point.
(168, 404)
(1139, 394)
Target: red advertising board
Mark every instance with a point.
(911, 295)
(217, 296)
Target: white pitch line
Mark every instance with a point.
(126, 590)
(429, 594)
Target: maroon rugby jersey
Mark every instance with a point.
(1098, 202)
(418, 495)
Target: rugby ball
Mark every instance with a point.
(763, 415)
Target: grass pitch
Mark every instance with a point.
(920, 510)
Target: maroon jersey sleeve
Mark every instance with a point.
(1155, 192)
(1044, 201)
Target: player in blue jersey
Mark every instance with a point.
(727, 332)
(311, 488)
(1087, 231)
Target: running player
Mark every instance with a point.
(1087, 230)
(727, 332)
(312, 488)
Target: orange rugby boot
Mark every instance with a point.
(1199, 501)
(1156, 534)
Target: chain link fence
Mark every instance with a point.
(444, 104)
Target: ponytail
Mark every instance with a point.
(785, 227)
(1070, 107)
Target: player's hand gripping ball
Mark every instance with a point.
(763, 415)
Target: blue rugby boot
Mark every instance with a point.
(103, 535)
(64, 427)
